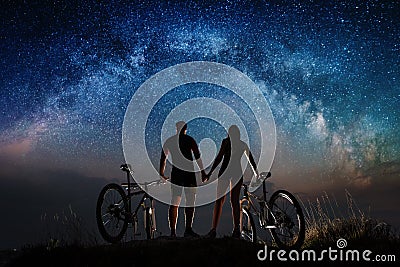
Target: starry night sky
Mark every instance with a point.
(330, 71)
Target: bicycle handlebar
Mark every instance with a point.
(155, 182)
(126, 167)
(145, 184)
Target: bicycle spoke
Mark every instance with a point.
(105, 223)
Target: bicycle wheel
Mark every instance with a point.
(248, 231)
(288, 218)
(149, 225)
(112, 213)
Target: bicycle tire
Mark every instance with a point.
(248, 228)
(294, 227)
(111, 211)
(149, 224)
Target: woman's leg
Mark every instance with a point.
(235, 204)
(219, 203)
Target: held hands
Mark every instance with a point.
(205, 177)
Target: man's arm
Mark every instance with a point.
(163, 160)
(196, 153)
(200, 164)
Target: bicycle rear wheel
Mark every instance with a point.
(248, 229)
(112, 213)
(288, 219)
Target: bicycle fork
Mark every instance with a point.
(244, 203)
(148, 207)
(152, 213)
(266, 216)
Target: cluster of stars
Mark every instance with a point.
(330, 72)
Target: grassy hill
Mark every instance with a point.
(187, 252)
(324, 229)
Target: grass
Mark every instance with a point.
(327, 222)
(67, 229)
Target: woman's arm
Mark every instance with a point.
(219, 157)
(251, 159)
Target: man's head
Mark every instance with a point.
(181, 127)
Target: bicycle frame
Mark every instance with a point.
(264, 211)
(142, 203)
(287, 228)
(114, 211)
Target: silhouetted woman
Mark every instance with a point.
(230, 174)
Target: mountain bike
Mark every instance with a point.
(281, 215)
(114, 208)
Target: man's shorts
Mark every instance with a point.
(183, 178)
(183, 181)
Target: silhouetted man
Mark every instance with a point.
(180, 147)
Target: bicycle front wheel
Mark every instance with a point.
(288, 219)
(112, 213)
(248, 229)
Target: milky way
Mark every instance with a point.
(328, 69)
